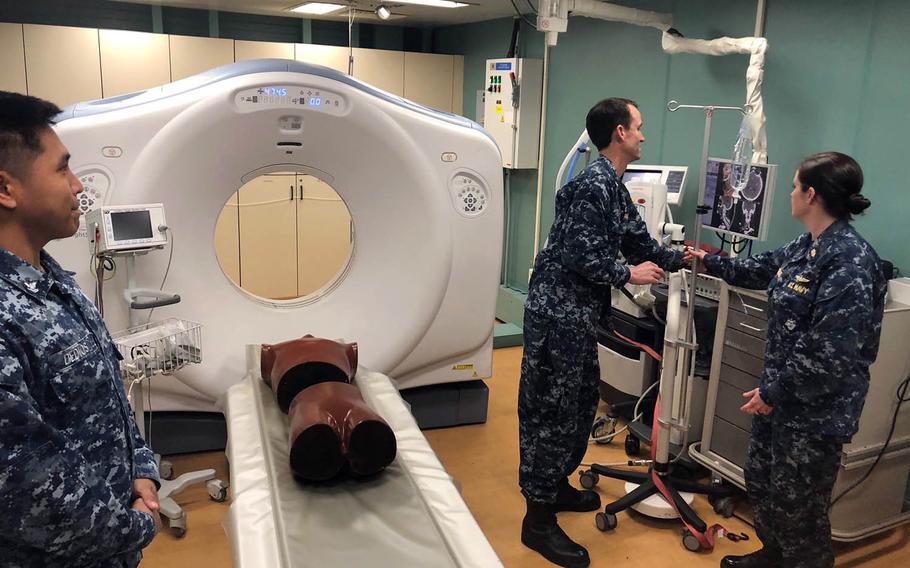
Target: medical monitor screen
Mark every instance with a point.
(131, 225)
(673, 177)
(647, 176)
(739, 211)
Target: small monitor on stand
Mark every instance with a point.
(674, 177)
(739, 211)
(123, 228)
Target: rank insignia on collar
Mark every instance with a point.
(780, 272)
(812, 253)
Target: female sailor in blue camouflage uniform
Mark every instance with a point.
(826, 293)
(77, 482)
(569, 293)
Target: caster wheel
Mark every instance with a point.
(178, 526)
(633, 445)
(588, 479)
(690, 542)
(605, 521)
(218, 490)
(166, 469)
(724, 506)
(603, 430)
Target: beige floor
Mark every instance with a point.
(484, 459)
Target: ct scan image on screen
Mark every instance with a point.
(740, 212)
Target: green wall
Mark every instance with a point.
(837, 77)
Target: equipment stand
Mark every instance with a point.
(161, 348)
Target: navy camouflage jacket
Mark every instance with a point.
(595, 221)
(825, 304)
(69, 446)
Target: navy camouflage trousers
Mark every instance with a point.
(789, 479)
(557, 401)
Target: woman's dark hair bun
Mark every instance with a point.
(838, 181)
(858, 203)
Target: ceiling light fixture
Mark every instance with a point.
(383, 12)
(433, 3)
(317, 8)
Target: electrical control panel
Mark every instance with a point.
(513, 90)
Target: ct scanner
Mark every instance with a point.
(423, 188)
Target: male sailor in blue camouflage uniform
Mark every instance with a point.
(78, 485)
(569, 293)
(826, 293)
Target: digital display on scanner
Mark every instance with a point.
(275, 91)
(315, 101)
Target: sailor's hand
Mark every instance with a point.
(145, 489)
(692, 253)
(646, 273)
(139, 505)
(755, 405)
(146, 494)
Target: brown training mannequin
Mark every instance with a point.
(330, 425)
(291, 366)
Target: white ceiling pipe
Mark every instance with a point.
(756, 47)
(553, 20)
(605, 11)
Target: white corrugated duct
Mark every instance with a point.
(756, 47)
(605, 11)
(553, 20)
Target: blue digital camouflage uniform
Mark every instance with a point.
(69, 446)
(569, 293)
(825, 305)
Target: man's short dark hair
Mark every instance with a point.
(22, 119)
(605, 116)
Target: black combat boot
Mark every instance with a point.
(761, 558)
(540, 533)
(570, 499)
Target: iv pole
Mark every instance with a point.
(700, 210)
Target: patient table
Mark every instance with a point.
(409, 515)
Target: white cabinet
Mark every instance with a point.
(132, 61)
(458, 85)
(429, 79)
(380, 68)
(191, 55)
(227, 239)
(283, 236)
(12, 58)
(324, 234)
(330, 56)
(63, 65)
(268, 236)
(69, 65)
(244, 50)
